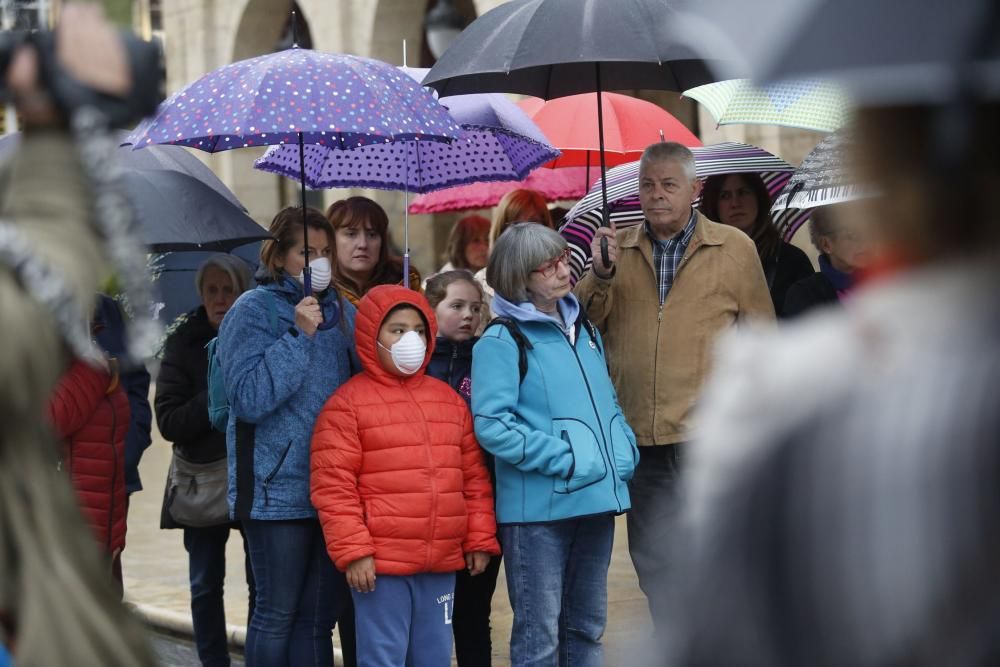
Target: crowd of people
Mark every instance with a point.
(807, 490)
(406, 434)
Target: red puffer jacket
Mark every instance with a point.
(396, 469)
(90, 412)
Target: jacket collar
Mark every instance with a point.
(706, 232)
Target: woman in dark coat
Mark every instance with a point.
(742, 201)
(182, 416)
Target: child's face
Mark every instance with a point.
(460, 312)
(392, 329)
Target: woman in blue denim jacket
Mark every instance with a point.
(563, 449)
(279, 369)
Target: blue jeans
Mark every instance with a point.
(206, 549)
(299, 595)
(557, 580)
(406, 621)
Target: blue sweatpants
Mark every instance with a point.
(406, 621)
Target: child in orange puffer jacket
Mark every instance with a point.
(400, 486)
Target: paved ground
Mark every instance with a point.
(155, 570)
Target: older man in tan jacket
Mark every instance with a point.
(674, 284)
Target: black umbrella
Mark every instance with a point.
(176, 212)
(173, 158)
(554, 48)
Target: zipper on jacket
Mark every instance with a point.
(597, 415)
(114, 470)
(451, 362)
(274, 473)
(433, 469)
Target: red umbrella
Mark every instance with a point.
(630, 124)
(554, 184)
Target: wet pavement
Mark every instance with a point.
(155, 571)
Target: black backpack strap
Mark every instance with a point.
(522, 342)
(583, 321)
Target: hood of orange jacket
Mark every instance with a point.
(372, 311)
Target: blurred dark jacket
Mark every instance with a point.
(782, 270)
(110, 337)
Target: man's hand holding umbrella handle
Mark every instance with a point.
(604, 242)
(308, 315)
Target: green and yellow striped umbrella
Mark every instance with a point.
(807, 104)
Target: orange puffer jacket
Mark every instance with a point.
(396, 470)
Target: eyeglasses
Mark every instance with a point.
(548, 269)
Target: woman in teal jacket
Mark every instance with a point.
(545, 407)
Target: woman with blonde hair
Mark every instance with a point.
(362, 257)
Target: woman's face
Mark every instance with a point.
(849, 247)
(460, 312)
(358, 250)
(217, 294)
(477, 250)
(737, 204)
(550, 282)
(295, 259)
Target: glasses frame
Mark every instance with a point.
(548, 269)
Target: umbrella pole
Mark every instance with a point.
(406, 220)
(605, 213)
(306, 271)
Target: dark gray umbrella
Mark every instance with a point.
(177, 212)
(916, 52)
(173, 158)
(555, 48)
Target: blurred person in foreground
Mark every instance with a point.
(843, 495)
(56, 604)
(674, 284)
(845, 249)
(742, 201)
(182, 417)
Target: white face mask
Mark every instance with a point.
(321, 274)
(407, 353)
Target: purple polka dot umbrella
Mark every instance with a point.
(299, 96)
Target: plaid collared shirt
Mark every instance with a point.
(667, 255)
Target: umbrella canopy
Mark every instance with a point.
(300, 96)
(623, 194)
(329, 99)
(883, 56)
(177, 212)
(554, 48)
(821, 180)
(553, 184)
(500, 144)
(630, 125)
(173, 158)
(807, 104)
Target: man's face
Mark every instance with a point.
(666, 194)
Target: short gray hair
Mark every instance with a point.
(231, 265)
(820, 225)
(519, 251)
(663, 151)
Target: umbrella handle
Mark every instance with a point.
(605, 222)
(330, 323)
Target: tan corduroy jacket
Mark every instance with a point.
(660, 355)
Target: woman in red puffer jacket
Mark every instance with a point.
(399, 482)
(90, 413)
